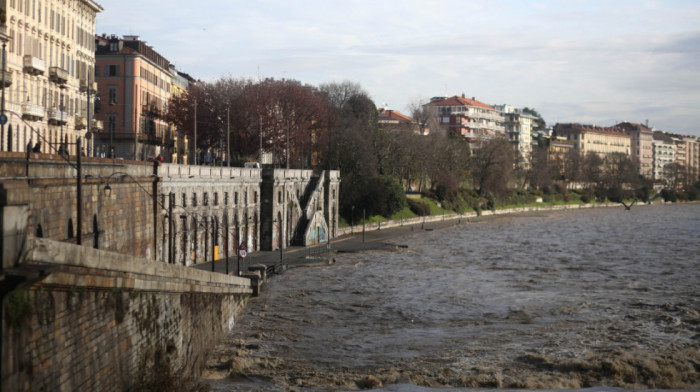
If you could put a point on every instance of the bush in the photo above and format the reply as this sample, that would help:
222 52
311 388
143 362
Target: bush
418 207
669 195
587 196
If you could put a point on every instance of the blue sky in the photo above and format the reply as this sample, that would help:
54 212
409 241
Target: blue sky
593 62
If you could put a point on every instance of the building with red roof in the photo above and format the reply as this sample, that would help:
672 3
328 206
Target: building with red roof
470 118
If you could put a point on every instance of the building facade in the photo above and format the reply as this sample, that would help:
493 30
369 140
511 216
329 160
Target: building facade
48 87
519 128
591 138
641 146
664 152
393 120
135 84
470 118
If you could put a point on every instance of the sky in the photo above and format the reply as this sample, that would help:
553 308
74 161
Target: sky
590 62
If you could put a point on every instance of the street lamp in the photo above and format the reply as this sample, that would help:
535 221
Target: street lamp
352 219
4 38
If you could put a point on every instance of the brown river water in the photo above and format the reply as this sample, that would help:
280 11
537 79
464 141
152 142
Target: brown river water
591 299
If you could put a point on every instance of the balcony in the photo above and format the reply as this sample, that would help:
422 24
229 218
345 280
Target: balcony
97 125
58 75
31 111
8 80
34 65
80 122
84 84
57 116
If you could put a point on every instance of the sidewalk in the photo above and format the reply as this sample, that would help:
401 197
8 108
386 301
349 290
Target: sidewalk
356 242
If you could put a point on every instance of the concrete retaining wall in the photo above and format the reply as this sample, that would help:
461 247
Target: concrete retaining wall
99 321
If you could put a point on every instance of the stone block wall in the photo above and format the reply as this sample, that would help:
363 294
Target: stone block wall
99 321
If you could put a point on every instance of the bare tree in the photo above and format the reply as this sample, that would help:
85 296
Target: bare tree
492 167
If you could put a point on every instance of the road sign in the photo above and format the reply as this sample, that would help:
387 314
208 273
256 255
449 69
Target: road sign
243 253
3 119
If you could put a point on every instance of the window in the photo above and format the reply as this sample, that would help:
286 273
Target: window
235 198
112 95
184 200
279 197
216 198
112 70
114 46
194 200
225 198
206 198
255 197
245 197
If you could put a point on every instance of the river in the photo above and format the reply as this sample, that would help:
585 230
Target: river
591 298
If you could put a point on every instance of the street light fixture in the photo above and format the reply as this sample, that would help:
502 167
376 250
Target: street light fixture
4 38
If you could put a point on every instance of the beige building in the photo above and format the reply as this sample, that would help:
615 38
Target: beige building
48 81
591 138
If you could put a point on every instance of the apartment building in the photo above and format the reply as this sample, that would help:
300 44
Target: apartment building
641 146
135 84
519 128
47 87
692 157
470 118
664 152
591 138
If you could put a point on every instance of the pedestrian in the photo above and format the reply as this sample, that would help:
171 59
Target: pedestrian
208 158
37 147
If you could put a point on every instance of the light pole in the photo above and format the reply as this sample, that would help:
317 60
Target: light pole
363 225
195 132
228 137
352 219
64 149
4 38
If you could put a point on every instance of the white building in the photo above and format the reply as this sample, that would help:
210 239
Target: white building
50 57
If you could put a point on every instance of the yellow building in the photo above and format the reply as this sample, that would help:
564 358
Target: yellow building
591 138
48 78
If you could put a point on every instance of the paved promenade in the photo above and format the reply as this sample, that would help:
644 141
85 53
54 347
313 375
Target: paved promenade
357 241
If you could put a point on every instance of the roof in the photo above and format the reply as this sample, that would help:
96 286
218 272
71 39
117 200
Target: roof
393 116
460 101
628 126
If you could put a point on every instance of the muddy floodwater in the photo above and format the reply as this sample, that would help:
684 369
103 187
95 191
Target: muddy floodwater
575 299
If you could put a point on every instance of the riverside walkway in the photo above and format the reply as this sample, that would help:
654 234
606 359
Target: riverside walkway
357 241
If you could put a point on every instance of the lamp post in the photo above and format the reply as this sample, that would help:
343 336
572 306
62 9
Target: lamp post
195 132
352 219
64 149
4 38
79 195
228 140
363 225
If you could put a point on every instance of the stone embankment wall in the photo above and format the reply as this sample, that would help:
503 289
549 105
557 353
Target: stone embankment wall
467 215
100 321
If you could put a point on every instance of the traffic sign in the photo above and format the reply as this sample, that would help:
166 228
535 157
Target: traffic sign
243 253
3 119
